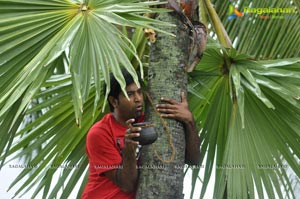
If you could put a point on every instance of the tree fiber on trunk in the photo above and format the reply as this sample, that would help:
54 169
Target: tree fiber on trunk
166 78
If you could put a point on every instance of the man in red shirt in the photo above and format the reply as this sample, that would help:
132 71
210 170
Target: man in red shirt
110 146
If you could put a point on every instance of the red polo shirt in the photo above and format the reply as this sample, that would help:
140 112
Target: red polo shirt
103 146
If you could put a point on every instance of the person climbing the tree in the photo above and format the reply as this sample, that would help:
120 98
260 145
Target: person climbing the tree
110 147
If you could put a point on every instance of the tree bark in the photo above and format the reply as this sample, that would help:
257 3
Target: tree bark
166 78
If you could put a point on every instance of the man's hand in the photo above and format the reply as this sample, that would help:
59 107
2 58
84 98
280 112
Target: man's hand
131 133
175 110
126 178
180 111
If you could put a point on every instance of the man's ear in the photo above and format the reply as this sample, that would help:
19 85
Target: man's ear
113 101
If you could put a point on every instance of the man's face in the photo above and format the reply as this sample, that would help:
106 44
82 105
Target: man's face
133 107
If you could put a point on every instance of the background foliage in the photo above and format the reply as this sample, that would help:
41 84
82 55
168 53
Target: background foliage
56 55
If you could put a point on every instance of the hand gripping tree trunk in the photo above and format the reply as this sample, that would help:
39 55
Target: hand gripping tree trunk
159 177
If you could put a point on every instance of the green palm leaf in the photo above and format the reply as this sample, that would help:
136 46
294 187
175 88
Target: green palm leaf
270 84
54 53
263 124
262 38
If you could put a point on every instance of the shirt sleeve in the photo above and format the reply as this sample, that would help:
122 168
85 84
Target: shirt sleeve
102 151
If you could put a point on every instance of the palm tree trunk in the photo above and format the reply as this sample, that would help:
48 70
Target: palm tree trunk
166 78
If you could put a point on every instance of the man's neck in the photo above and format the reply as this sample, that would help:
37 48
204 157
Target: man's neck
118 119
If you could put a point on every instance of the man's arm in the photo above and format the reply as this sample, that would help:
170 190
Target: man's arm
126 177
192 150
180 111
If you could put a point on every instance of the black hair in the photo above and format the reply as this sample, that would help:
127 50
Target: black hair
115 88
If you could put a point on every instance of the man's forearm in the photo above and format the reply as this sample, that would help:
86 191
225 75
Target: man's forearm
126 176
180 112
192 151
129 172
